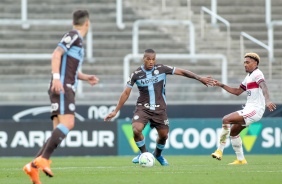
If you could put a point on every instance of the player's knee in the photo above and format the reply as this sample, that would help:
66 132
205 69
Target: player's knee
163 137
225 120
136 131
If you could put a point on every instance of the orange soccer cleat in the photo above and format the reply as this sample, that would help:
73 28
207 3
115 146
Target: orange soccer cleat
44 165
32 172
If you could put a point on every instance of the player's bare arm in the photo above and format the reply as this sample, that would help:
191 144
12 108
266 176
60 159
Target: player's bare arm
123 98
235 91
271 106
57 86
91 79
208 81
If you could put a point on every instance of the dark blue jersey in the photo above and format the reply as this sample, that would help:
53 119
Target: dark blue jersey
151 85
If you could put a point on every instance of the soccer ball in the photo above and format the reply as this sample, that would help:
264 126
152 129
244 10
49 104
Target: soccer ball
147 159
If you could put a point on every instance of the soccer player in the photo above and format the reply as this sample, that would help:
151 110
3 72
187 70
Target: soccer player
150 79
66 60
257 98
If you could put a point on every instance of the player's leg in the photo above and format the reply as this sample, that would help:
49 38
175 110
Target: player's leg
139 121
31 169
242 119
160 144
225 131
160 122
55 124
57 136
139 139
237 145
237 121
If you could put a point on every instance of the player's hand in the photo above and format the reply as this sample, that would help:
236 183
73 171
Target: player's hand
57 86
110 116
271 106
217 83
92 80
207 81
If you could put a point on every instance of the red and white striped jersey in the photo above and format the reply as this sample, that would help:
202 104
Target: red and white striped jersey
254 92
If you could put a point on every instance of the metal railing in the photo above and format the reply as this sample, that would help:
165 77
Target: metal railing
267 11
189 12
130 57
119 15
21 57
214 10
224 21
268 48
270 33
26 23
138 23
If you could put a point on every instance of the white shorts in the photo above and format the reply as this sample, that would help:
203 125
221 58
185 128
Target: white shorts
251 114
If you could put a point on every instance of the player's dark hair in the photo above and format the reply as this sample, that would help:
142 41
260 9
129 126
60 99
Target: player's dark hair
79 17
150 51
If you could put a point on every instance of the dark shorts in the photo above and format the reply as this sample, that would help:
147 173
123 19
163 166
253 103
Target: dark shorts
62 103
158 119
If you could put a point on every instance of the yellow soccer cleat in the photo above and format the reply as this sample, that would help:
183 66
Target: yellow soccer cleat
239 162
217 154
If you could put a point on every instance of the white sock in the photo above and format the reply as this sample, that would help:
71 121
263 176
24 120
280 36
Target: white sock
223 137
236 142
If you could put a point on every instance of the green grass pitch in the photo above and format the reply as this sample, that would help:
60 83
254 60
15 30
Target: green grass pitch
264 169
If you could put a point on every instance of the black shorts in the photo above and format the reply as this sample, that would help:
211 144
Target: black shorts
158 119
62 103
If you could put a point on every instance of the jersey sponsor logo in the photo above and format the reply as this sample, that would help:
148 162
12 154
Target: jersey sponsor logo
68 45
138 71
156 72
54 107
166 122
136 117
149 81
67 39
71 107
147 105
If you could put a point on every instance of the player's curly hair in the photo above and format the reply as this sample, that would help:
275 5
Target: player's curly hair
253 55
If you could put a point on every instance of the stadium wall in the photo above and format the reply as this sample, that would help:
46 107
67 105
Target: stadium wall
200 137
189 136
22 113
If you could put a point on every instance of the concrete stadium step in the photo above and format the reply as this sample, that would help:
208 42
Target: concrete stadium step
110 45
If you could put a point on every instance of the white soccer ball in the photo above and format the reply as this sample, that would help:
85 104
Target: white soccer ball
147 159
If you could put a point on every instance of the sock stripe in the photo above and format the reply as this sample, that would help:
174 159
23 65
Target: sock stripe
140 143
160 146
63 128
